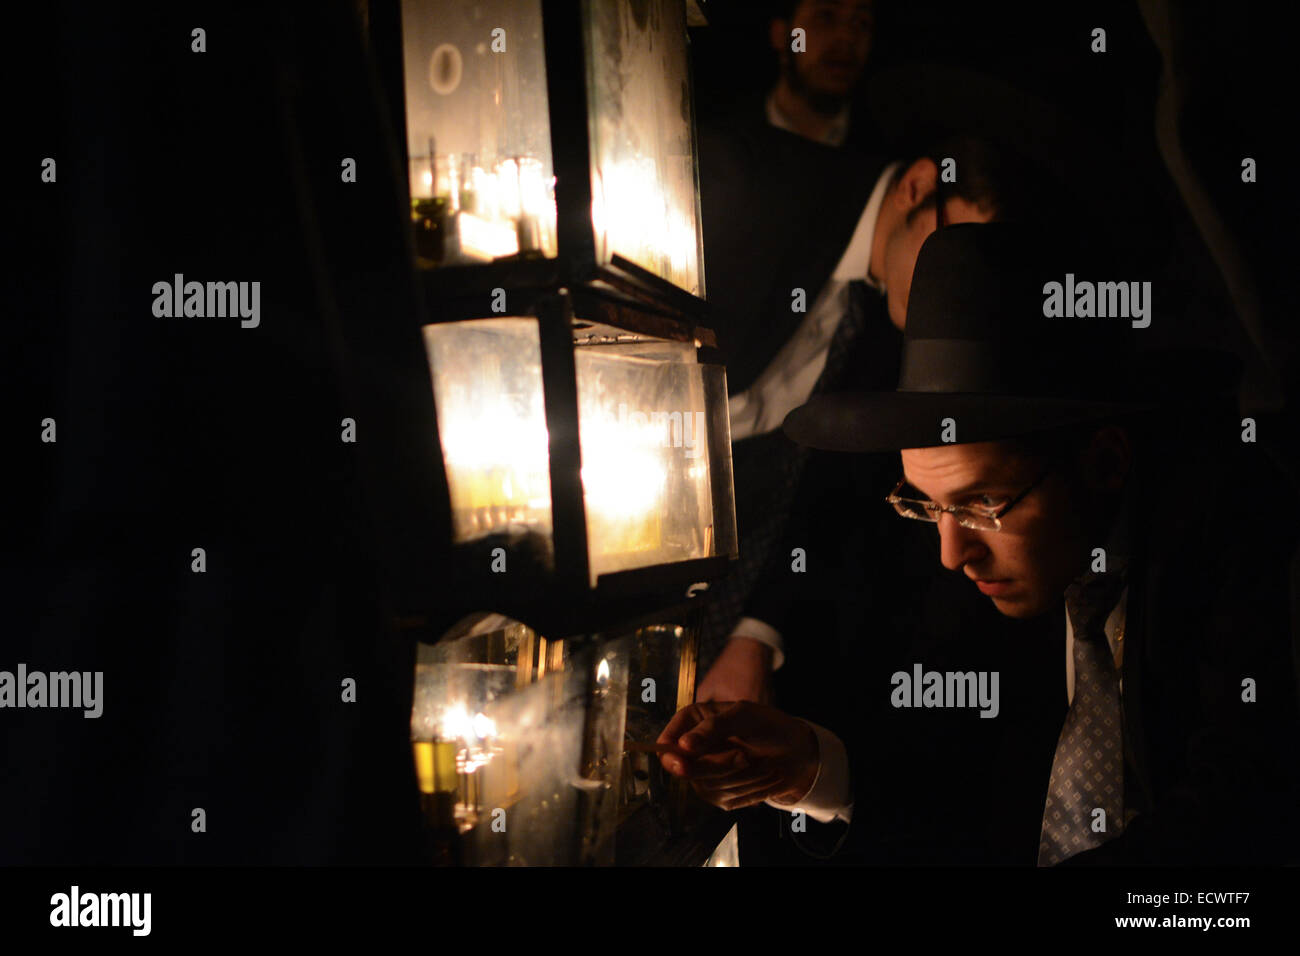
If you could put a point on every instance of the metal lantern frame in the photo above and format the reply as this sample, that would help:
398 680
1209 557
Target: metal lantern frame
573 296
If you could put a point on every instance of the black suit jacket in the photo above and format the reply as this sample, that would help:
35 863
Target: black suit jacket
777 214
1211 609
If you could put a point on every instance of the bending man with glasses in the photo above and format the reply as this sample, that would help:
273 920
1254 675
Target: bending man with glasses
1103 503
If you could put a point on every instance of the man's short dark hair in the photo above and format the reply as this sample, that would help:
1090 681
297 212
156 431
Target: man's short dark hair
783 9
993 177
1062 446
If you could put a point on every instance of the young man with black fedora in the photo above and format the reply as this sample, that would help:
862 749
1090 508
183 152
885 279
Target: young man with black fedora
1126 520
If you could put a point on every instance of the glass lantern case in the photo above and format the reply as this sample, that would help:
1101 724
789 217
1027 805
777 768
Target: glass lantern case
581 399
582 422
652 436
486 82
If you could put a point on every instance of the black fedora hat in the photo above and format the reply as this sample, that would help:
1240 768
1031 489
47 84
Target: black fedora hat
982 361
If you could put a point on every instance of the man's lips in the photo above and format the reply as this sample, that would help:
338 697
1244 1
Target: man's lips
837 61
993 587
840 67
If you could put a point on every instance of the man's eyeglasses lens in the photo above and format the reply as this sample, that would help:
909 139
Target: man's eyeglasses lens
929 511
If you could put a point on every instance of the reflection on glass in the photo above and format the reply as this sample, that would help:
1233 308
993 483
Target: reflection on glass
478 130
645 458
727 852
653 434
642 138
504 743
487 384
458 747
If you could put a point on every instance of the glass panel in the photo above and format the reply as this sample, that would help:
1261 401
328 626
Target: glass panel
655 805
602 757
656 656
728 851
643 176
503 754
486 638
477 130
724 498
459 747
487 386
648 445
654 436
542 756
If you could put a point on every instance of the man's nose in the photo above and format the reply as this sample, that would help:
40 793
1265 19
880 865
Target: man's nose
958 545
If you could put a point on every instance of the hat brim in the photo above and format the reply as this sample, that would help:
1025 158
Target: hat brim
892 421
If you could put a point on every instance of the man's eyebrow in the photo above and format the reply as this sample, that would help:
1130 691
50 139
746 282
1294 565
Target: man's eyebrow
967 490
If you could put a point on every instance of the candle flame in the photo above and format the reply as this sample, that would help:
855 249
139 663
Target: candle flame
457 724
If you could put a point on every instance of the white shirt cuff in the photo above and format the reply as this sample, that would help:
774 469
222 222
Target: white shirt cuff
830 797
756 630
741 415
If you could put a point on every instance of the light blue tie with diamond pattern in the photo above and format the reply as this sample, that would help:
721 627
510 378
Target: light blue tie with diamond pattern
1088 770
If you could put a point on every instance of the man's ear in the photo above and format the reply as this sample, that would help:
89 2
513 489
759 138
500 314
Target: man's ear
916 183
1108 458
778 34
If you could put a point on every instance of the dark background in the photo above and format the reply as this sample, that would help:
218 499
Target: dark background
222 690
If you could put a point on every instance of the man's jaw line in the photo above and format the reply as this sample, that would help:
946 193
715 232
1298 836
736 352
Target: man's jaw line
824 104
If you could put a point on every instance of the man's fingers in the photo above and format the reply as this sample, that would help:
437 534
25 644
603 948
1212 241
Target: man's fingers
734 798
760 783
759 776
742 802
750 797
713 767
690 716
682 721
717 730
700 738
674 764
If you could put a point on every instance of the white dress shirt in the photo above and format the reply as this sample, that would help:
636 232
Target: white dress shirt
831 796
788 380
835 134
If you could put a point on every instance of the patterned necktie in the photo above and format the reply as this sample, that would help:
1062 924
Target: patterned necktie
847 331
1088 770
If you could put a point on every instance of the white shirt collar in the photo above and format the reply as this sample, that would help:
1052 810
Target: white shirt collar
856 261
835 134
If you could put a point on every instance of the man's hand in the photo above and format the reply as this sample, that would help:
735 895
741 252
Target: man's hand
741 672
740 753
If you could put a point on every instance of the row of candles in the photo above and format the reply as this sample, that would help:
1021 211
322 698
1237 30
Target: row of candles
510 208
470 757
496 450
498 211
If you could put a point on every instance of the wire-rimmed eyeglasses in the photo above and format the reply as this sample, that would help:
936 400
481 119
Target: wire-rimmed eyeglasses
978 517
